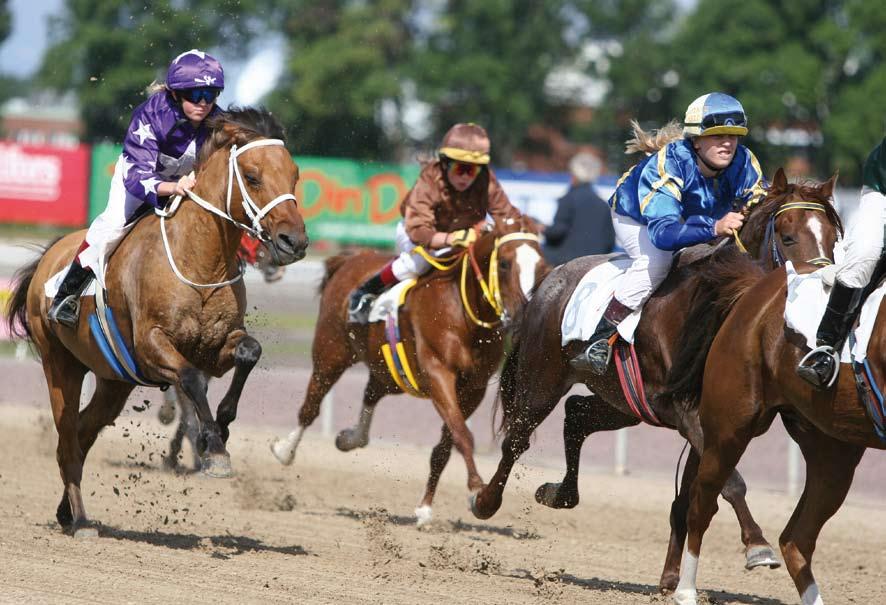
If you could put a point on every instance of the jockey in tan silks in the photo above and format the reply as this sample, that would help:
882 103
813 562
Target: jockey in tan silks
863 248
159 152
682 195
452 197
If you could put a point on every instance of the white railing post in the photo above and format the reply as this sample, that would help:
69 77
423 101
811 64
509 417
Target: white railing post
327 414
621 452
793 468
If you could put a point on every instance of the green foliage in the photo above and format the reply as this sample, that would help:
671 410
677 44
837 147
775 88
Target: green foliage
5 20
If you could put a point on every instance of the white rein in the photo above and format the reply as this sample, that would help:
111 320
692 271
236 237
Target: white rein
252 211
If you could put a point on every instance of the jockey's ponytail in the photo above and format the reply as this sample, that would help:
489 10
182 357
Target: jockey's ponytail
155 87
652 141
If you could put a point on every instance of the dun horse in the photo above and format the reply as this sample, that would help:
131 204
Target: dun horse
535 377
451 328
178 333
750 377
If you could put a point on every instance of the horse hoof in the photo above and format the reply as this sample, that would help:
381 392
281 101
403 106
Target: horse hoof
668 583
348 440
86 532
217 466
549 495
685 596
476 509
284 454
423 515
761 556
166 414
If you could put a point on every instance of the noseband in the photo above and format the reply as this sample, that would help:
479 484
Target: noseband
252 210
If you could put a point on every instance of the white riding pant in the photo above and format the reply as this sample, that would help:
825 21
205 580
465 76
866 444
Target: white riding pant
864 240
411 264
650 266
109 227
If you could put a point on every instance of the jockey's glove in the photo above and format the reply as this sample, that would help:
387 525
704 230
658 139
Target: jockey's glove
462 237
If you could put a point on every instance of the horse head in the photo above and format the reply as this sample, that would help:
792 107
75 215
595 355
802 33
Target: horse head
795 222
510 253
256 177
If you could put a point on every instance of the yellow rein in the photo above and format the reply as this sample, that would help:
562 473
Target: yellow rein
492 289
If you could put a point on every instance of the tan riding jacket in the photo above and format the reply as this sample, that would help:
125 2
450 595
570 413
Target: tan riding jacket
425 212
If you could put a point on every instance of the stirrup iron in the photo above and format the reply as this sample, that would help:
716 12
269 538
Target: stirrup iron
830 352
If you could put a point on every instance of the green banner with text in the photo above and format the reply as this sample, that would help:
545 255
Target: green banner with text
341 200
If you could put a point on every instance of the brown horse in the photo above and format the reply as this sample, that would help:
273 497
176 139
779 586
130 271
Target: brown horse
749 377
453 338
178 333
535 377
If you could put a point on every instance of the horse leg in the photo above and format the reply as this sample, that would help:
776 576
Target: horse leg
758 551
188 426
532 403
64 378
330 360
470 401
104 406
174 368
247 352
723 447
358 435
585 414
830 467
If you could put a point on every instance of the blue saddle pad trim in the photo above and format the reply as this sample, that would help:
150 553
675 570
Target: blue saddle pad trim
121 344
105 347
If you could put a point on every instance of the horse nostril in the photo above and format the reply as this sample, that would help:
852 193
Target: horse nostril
285 244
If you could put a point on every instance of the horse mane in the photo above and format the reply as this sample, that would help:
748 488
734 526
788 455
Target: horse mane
723 278
652 141
239 125
761 213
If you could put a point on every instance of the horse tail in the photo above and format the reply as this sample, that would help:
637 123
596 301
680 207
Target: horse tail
333 264
722 280
17 305
650 142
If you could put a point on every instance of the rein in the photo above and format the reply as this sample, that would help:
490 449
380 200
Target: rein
491 287
252 210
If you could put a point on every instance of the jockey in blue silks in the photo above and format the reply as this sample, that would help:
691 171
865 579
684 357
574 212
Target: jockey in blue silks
684 194
863 247
159 152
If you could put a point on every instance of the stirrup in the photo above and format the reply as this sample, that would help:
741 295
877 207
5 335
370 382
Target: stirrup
595 357
67 311
359 313
806 367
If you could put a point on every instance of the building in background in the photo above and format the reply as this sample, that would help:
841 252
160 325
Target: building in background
42 119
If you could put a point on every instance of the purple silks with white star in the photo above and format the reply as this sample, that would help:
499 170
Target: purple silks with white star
160 145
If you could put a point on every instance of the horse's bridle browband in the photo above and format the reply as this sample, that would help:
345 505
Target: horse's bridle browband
252 210
777 258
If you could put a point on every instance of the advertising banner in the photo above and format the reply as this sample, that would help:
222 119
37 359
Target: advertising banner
43 185
104 156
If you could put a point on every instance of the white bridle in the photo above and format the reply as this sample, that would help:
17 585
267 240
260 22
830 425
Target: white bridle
252 210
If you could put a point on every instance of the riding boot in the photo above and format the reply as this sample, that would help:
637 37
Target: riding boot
361 299
820 366
65 307
599 350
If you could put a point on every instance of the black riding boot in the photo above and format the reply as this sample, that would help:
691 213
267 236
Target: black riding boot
65 307
598 352
360 301
820 366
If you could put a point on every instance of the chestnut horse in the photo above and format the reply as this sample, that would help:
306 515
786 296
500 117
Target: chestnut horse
749 377
534 378
452 333
177 333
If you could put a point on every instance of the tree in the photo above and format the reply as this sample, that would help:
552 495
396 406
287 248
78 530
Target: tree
346 61
108 51
487 62
5 20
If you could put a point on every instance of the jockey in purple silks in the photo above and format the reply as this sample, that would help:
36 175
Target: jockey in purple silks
159 152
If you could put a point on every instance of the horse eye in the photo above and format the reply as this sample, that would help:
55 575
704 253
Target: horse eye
787 240
504 265
252 180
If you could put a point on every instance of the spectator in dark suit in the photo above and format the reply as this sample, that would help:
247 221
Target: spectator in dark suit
582 224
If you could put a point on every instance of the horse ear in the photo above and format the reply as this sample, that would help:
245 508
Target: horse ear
827 188
779 181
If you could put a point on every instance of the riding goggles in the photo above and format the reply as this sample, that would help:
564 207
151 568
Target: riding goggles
463 169
195 95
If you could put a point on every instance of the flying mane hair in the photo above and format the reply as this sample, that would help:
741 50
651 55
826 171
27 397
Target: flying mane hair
652 141
242 124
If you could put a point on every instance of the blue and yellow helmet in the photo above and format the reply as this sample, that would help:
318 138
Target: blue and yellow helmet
715 113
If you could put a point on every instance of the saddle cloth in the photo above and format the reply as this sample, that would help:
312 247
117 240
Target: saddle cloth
805 306
389 301
589 300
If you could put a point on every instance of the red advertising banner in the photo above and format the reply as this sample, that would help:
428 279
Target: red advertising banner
45 185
